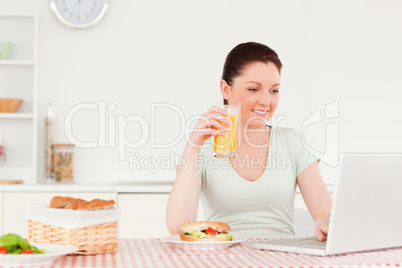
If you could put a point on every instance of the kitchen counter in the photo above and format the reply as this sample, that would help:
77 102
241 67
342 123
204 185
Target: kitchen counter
118 187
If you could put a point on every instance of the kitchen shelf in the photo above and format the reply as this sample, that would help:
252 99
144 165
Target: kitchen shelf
15 169
17 63
16 116
19 78
15 173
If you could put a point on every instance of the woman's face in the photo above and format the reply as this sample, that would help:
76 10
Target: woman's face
256 91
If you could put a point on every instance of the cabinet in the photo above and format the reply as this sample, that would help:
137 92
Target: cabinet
144 215
14 202
18 79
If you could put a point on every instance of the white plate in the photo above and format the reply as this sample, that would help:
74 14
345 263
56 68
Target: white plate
52 252
175 239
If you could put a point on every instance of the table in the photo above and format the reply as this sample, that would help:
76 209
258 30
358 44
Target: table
155 253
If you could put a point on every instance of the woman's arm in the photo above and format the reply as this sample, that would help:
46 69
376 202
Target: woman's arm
183 200
317 198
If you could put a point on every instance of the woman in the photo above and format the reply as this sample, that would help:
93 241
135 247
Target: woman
253 192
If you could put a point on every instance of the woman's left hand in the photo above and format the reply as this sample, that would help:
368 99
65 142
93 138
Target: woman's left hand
321 228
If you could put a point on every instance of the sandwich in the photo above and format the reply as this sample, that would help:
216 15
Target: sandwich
205 231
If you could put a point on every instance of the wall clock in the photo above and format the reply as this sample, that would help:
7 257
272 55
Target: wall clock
79 13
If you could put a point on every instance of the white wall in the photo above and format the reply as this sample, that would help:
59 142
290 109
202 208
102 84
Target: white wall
173 52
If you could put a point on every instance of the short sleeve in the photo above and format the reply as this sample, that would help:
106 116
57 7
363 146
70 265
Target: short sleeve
303 158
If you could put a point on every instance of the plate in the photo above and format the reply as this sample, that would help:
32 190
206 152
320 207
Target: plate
175 239
53 252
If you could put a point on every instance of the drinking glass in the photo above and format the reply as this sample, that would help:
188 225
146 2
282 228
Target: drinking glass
225 146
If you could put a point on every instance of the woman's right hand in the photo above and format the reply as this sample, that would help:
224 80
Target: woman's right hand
215 121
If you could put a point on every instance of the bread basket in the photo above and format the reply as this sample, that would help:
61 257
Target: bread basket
93 232
10 105
95 239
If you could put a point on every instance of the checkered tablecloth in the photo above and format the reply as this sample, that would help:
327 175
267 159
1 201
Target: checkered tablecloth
155 253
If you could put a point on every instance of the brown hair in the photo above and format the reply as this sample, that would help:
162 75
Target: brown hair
244 54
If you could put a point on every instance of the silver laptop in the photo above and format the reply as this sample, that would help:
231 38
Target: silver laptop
366 211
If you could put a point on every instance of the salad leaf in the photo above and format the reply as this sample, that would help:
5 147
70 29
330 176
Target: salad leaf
15 251
14 244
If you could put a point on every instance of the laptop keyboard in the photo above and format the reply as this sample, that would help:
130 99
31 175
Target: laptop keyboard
312 244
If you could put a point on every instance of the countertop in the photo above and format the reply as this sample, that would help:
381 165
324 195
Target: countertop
118 187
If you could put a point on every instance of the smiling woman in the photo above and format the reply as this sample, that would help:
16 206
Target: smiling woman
254 191
257 91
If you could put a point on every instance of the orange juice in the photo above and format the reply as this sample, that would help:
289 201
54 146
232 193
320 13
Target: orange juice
225 146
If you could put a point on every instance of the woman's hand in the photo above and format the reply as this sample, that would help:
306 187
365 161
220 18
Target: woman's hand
183 200
321 228
213 122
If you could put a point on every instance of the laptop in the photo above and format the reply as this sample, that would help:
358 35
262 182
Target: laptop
366 211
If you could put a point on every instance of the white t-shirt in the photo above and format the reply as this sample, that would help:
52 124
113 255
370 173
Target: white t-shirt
263 208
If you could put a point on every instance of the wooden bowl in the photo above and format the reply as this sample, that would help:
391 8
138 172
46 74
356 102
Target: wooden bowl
10 105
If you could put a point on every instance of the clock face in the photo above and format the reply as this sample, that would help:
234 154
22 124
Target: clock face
79 13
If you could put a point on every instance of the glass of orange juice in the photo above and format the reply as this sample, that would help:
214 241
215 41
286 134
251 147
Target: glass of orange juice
225 146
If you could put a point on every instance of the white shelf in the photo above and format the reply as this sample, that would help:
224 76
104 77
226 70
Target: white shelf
19 80
16 116
15 169
17 63
23 173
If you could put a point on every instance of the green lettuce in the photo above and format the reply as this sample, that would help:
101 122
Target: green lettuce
14 244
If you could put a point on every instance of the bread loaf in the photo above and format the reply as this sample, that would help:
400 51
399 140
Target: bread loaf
66 202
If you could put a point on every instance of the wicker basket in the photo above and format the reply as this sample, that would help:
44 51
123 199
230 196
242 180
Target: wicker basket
95 239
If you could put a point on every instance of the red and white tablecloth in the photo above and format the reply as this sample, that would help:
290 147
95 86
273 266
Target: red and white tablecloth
155 253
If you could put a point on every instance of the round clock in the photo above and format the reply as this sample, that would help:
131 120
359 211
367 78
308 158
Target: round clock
79 13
